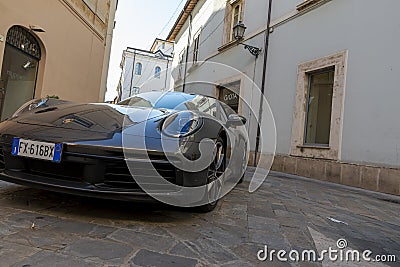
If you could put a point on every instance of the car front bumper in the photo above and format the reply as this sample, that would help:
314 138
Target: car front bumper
98 172
74 188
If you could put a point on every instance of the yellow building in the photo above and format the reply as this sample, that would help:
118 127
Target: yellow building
58 47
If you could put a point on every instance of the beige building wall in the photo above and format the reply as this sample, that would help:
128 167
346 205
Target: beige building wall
75 45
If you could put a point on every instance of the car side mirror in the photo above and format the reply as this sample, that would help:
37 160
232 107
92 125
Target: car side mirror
236 120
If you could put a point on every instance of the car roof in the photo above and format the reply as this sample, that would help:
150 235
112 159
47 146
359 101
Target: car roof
181 94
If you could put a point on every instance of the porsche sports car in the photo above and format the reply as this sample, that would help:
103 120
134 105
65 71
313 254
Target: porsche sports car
86 149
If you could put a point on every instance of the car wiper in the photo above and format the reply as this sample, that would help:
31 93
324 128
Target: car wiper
164 110
46 110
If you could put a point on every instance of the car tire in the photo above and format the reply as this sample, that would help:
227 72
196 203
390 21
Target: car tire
215 170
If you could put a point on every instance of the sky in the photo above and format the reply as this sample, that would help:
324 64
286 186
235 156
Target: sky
138 23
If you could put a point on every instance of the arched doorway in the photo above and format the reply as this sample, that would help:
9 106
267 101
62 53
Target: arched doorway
19 71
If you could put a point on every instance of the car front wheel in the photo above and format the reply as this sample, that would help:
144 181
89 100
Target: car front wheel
215 174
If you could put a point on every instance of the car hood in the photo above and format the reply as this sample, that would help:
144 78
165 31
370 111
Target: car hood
103 118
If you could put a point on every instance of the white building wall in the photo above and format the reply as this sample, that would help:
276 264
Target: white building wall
282 8
221 67
166 47
147 81
367 29
209 16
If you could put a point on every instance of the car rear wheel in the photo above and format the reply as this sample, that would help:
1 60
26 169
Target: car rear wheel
215 174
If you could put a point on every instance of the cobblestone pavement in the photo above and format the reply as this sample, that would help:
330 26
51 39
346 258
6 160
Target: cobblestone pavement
286 213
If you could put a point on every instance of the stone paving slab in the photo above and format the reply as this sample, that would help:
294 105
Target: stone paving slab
151 258
286 213
46 259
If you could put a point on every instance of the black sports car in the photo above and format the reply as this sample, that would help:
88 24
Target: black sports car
117 151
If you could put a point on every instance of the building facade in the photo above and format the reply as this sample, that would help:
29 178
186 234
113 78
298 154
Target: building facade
146 71
59 49
331 79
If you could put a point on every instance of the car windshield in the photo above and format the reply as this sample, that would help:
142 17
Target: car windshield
159 100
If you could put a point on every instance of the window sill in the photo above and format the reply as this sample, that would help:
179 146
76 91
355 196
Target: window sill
307 4
228 45
314 147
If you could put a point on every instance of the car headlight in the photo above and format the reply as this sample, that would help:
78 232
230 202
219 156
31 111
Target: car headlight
181 124
31 105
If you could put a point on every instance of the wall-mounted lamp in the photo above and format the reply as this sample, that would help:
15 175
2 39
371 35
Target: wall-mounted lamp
238 33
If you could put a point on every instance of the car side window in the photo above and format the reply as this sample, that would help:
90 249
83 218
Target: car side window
222 113
205 105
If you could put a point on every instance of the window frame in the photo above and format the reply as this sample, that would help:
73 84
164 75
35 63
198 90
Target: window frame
157 72
138 68
136 90
196 47
234 5
180 64
298 146
228 20
230 84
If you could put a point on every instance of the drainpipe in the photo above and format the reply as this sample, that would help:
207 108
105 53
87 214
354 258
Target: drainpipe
263 82
133 73
187 52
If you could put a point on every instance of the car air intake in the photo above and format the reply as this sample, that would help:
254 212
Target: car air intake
2 162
